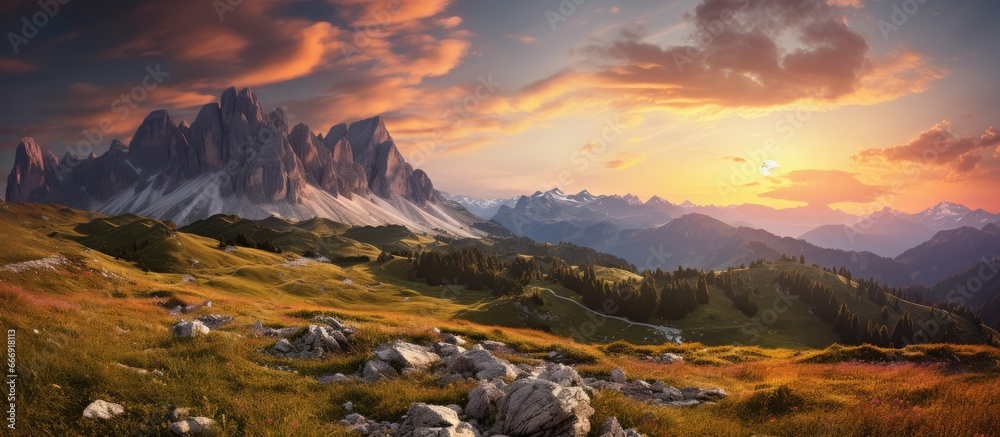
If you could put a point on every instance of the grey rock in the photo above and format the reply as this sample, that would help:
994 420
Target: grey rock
480 364
493 345
534 407
376 369
618 376
189 328
483 401
214 321
453 339
563 375
611 428
421 415
447 349
407 357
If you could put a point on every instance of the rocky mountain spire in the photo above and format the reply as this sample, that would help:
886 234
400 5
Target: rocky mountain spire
28 173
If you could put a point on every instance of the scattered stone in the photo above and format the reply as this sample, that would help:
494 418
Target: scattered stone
187 329
453 339
348 406
260 329
407 357
335 378
495 346
660 393
192 425
618 376
536 407
376 369
103 410
665 358
215 321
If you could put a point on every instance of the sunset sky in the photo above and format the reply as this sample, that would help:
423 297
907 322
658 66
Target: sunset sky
681 99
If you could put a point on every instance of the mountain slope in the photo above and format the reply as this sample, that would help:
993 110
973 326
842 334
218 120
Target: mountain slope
951 251
844 237
700 241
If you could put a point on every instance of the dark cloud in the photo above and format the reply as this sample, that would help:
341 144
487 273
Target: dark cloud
739 57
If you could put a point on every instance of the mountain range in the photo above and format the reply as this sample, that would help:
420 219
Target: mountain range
237 159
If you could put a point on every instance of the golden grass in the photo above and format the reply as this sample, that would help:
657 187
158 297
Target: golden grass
97 313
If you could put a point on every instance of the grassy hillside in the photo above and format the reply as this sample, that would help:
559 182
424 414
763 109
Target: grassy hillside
90 326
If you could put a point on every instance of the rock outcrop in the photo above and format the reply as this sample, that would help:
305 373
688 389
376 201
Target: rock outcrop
536 407
315 341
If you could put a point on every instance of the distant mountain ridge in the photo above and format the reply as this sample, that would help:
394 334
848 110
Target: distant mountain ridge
482 208
236 159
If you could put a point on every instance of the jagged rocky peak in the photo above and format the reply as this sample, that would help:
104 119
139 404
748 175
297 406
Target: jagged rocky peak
157 143
118 149
243 103
28 173
315 158
365 136
207 140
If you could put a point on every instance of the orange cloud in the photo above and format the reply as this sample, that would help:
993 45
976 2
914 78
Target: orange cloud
307 53
935 147
387 13
625 162
824 187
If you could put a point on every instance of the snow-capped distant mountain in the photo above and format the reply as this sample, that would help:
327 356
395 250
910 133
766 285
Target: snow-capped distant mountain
556 216
943 216
483 208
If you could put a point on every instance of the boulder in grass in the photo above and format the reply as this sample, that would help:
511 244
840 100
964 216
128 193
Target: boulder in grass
102 410
618 376
189 328
193 426
407 357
